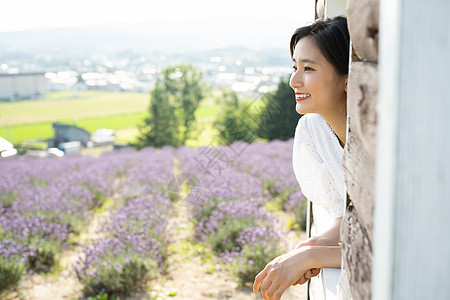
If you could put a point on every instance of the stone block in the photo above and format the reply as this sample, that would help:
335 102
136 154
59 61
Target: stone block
362 93
359 177
363 18
357 255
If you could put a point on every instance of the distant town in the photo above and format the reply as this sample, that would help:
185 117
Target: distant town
30 76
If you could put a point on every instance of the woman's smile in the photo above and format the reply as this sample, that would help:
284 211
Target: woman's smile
301 96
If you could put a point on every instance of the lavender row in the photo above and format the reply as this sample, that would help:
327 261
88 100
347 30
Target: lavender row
133 244
234 186
272 163
44 200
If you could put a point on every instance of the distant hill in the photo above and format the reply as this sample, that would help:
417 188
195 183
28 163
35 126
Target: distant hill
192 36
194 43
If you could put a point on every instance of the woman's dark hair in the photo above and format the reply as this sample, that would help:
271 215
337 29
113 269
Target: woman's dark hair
331 37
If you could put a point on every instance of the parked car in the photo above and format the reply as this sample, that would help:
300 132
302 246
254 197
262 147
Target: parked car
55 152
103 136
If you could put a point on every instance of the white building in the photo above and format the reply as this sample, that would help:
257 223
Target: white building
23 86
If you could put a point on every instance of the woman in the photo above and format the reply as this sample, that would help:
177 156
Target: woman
320 55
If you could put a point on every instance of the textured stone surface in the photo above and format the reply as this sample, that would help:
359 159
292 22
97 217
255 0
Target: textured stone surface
357 255
359 173
344 292
359 179
362 16
361 103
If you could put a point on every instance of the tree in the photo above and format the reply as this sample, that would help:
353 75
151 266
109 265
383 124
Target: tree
161 126
234 122
278 118
173 102
191 91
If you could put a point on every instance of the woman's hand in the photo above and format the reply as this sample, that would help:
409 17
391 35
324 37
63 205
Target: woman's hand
308 275
282 272
312 241
295 267
329 238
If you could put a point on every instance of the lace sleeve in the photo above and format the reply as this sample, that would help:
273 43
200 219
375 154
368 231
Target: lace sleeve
312 172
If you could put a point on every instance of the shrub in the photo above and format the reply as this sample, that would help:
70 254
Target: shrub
42 201
297 205
225 237
112 267
133 251
13 259
11 271
45 238
7 199
259 246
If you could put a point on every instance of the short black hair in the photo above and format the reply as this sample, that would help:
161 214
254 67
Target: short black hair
331 37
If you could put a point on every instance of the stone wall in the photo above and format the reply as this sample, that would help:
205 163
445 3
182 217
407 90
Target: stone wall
359 152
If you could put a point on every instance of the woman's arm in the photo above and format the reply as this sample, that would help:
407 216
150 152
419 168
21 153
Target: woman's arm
287 269
331 237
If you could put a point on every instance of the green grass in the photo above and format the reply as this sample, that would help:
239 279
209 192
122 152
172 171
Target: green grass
21 133
113 122
32 120
61 106
126 135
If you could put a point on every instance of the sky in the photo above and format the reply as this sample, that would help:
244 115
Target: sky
18 15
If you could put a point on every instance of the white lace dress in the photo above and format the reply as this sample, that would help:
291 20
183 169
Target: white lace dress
317 163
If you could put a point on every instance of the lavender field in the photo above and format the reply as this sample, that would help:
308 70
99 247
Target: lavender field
181 223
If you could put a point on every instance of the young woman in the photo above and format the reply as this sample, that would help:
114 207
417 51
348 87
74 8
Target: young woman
320 55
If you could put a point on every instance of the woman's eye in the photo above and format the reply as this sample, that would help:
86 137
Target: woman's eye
308 69
294 68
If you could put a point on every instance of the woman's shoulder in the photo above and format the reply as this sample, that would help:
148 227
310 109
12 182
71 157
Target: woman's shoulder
310 123
304 137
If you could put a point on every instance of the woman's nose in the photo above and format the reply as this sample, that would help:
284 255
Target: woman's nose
296 80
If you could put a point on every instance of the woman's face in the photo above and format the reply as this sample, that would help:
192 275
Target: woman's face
318 87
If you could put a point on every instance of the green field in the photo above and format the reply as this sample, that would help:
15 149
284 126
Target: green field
62 106
35 131
32 120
